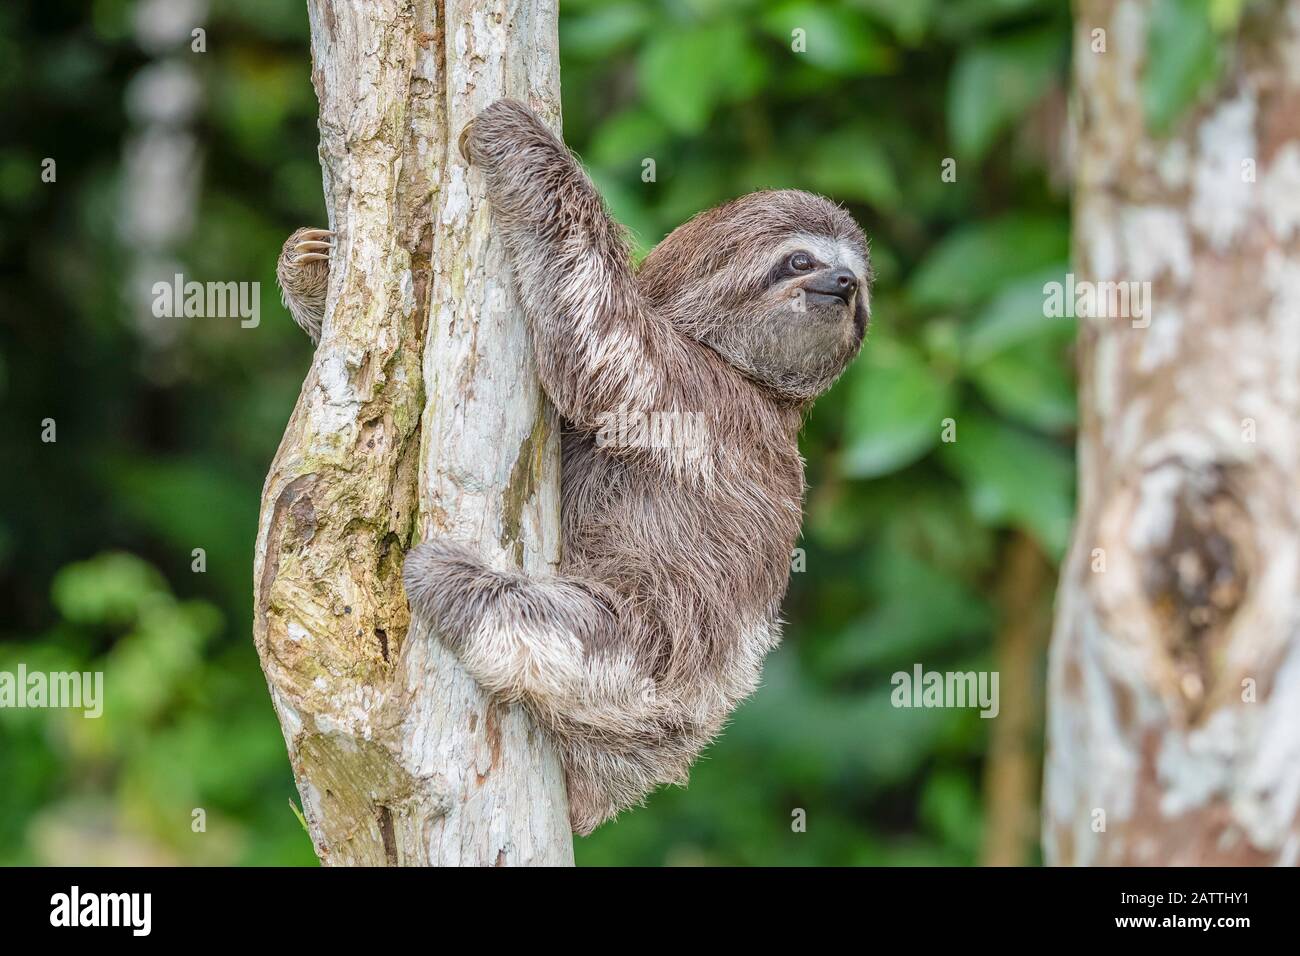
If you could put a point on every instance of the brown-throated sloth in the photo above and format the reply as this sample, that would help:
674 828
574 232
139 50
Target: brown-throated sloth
682 387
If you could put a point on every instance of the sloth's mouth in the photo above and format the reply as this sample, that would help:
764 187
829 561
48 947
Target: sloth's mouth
828 298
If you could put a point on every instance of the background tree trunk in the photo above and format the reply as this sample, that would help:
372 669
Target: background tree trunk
398 757
1013 766
1174 683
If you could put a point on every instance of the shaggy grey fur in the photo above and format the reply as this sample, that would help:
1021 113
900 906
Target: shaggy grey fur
678 527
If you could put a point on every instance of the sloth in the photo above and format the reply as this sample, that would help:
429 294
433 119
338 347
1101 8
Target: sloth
682 387
302 272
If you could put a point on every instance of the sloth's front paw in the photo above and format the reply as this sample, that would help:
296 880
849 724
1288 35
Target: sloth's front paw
303 271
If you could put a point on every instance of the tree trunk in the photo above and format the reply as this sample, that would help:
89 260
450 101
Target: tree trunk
398 757
1175 670
1013 764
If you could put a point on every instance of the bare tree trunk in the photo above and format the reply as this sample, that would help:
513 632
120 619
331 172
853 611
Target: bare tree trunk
398 757
1011 771
1175 673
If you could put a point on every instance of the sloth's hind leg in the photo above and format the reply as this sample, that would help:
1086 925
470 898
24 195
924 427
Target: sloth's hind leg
564 647
523 639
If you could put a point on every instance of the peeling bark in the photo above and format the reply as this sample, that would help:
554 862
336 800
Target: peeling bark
1174 686
421 414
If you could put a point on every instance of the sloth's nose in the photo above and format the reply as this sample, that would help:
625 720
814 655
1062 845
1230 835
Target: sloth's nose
841 283
846 282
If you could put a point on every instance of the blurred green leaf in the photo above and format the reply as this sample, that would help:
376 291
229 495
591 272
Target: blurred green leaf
995 83
600 31
908 21
286 21
963 19
626 139
896 407
698 183
977 260
893 635
771 171
789 713
835 38
933 522
1030 382
254 97
850 164
1182 58
951 806
147 666
1016 313
192 503
1012 477
1226 14
106 590
685 74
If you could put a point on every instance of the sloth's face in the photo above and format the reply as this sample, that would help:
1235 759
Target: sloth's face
803 322
776 282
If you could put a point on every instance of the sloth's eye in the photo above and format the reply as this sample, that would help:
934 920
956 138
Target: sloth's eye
801 262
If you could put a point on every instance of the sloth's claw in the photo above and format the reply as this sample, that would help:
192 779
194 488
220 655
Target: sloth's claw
463 143
303 274
313 244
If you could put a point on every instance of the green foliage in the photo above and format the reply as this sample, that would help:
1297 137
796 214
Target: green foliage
977 260
1013 477
1182 58
179 732
995 83
837 39
165 431
685 74
894 404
